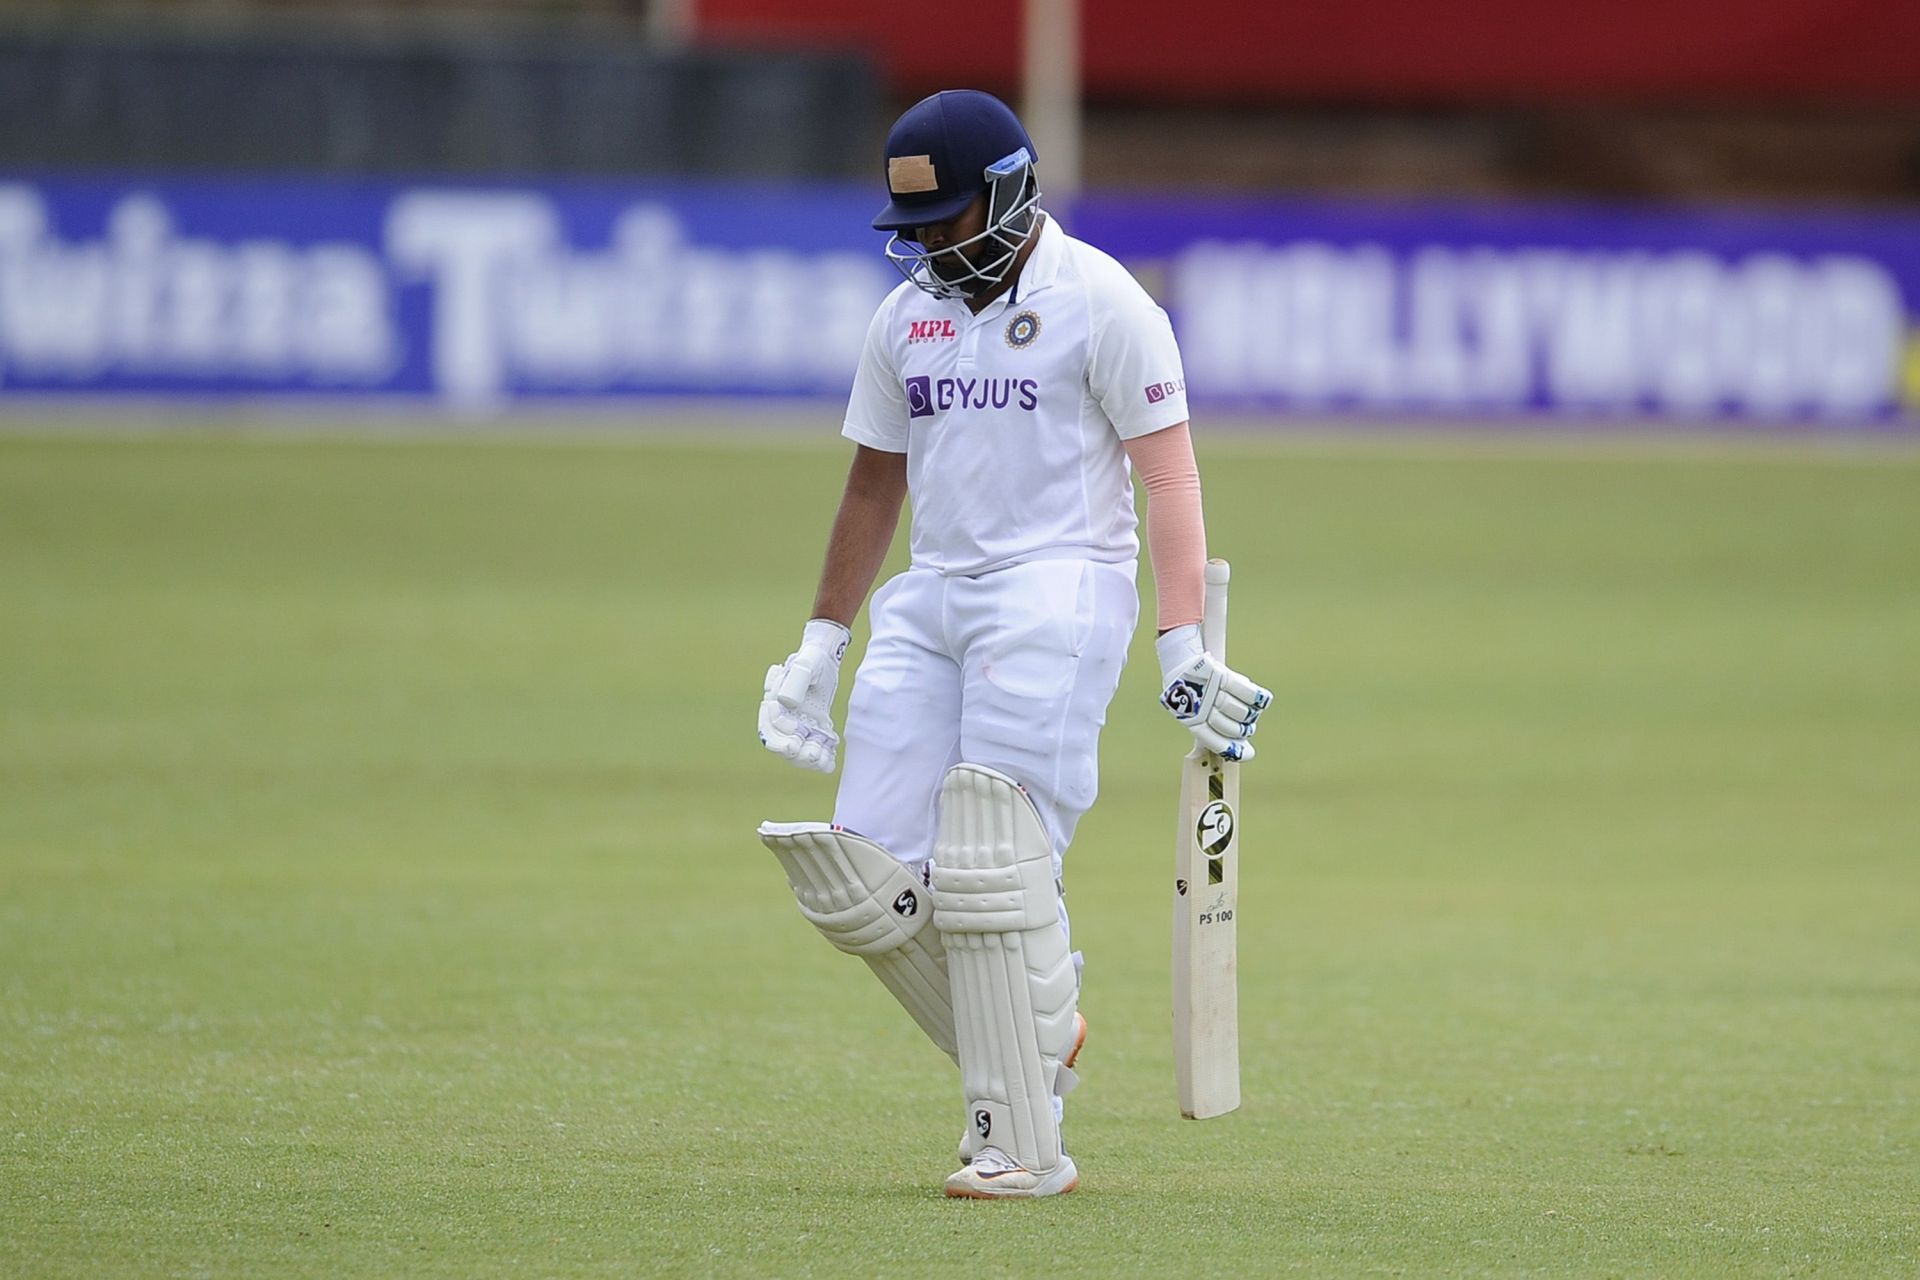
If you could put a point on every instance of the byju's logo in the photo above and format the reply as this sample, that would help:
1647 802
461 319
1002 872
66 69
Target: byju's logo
1158 391
920 397
925 396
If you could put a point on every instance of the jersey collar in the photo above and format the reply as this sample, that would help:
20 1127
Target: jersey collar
1042 265
1040 269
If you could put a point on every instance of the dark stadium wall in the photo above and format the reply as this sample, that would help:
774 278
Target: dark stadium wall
1490 51
270 94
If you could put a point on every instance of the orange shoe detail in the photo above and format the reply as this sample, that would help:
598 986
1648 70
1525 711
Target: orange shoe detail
1079 1039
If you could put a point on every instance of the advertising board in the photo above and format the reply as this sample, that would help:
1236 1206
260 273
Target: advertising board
478 299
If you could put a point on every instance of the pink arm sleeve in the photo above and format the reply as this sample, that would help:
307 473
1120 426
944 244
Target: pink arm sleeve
1176 529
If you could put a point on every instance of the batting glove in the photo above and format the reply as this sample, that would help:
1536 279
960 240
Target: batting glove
796 703
1218 705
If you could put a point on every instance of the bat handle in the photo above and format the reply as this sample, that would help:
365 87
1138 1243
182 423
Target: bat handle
1213 628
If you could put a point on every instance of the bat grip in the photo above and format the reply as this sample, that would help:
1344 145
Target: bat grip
1213 627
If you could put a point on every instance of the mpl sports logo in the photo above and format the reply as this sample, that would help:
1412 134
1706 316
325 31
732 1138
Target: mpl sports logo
931 331
1158 391
927 396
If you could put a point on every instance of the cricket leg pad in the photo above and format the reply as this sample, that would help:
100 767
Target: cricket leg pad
1015 987
868 904
1063 1084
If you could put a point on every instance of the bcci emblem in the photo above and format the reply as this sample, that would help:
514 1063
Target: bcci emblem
1022 330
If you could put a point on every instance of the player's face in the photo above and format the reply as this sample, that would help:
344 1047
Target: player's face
963 226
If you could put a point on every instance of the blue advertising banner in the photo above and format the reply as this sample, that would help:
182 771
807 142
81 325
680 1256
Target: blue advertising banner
478 297
1592 313
469 297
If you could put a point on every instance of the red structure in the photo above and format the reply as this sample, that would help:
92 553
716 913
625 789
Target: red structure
1386 51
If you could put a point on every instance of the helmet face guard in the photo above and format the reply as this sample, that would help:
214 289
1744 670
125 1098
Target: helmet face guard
1013 201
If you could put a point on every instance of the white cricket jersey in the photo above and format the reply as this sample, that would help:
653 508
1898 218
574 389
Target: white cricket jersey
1012 420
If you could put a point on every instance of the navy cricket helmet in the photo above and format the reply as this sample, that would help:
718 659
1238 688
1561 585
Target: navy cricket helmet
943 153
938 154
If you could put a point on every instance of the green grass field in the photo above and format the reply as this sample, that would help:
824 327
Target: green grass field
379 895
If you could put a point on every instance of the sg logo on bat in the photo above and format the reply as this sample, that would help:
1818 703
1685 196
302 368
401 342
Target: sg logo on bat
1214 834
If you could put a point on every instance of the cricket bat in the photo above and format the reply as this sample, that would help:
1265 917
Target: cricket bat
1206 893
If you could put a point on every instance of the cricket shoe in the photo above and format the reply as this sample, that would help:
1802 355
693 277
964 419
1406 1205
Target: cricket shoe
1073 1055
994 1175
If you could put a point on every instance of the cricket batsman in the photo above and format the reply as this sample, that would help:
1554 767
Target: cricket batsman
1010 386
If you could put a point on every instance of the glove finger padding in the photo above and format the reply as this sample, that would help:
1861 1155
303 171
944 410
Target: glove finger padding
817 751
1220 744
1238 686
1232 708
797 680
1228 727
775 728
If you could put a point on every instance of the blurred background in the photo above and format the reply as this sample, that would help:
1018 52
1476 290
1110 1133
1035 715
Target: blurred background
1633 213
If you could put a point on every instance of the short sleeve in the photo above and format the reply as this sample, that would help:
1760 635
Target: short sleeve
877 411
1133 368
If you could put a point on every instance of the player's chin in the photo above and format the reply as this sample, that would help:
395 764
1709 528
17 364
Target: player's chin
951 267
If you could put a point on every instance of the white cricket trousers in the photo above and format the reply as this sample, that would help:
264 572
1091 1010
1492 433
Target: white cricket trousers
1012 669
